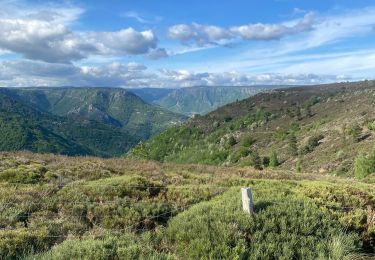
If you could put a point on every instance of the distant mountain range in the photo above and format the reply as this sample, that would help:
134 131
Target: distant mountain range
78 121
197 100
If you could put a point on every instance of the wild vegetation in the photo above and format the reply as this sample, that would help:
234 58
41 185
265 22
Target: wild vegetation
67 208
309 160
310 129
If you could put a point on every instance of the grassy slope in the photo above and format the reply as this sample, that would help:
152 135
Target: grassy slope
112 106
24 128
270 119
90 208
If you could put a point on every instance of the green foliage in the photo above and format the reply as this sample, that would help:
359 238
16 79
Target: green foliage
219 229
126 246
292 144
294 127
89 208
312 142
273 161
299 166
247 141
281 134
371 125
23 174
364 165
355 132
255 160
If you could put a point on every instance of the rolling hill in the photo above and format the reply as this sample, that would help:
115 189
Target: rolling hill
311 129
111 106
198 100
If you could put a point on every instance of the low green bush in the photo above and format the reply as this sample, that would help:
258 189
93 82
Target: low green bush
364 165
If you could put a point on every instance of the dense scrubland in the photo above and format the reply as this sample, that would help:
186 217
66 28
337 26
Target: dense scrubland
56 207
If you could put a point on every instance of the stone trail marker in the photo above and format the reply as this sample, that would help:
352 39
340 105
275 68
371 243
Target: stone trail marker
247 200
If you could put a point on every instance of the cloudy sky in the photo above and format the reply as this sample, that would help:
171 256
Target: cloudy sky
170 43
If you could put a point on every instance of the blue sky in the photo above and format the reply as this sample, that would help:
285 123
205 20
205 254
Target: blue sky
185 43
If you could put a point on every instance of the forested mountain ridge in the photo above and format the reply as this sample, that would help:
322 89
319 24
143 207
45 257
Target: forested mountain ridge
25 128
313 128
112 106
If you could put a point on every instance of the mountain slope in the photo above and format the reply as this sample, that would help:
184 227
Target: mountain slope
24 128
198 100
318 128
151 95
115 107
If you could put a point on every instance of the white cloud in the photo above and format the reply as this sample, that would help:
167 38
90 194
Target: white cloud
203 35
141 19
136 16
43 34
261 31
31 73
126 41
157 54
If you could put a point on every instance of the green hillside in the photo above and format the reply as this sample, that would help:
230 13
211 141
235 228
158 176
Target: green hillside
112 106
198 100
90 208
24 128
311 129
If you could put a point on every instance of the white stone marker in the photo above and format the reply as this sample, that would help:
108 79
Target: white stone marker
247 200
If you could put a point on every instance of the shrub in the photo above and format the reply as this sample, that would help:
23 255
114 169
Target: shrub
266 161
364 165
371 125
355 132
255 160
247 141
231 140
219 229
292 145
126 246
227 118
294 127
312 142
274 162
281 134
299 166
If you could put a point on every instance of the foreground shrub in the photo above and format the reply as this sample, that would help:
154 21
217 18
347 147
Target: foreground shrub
125 246
219 229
